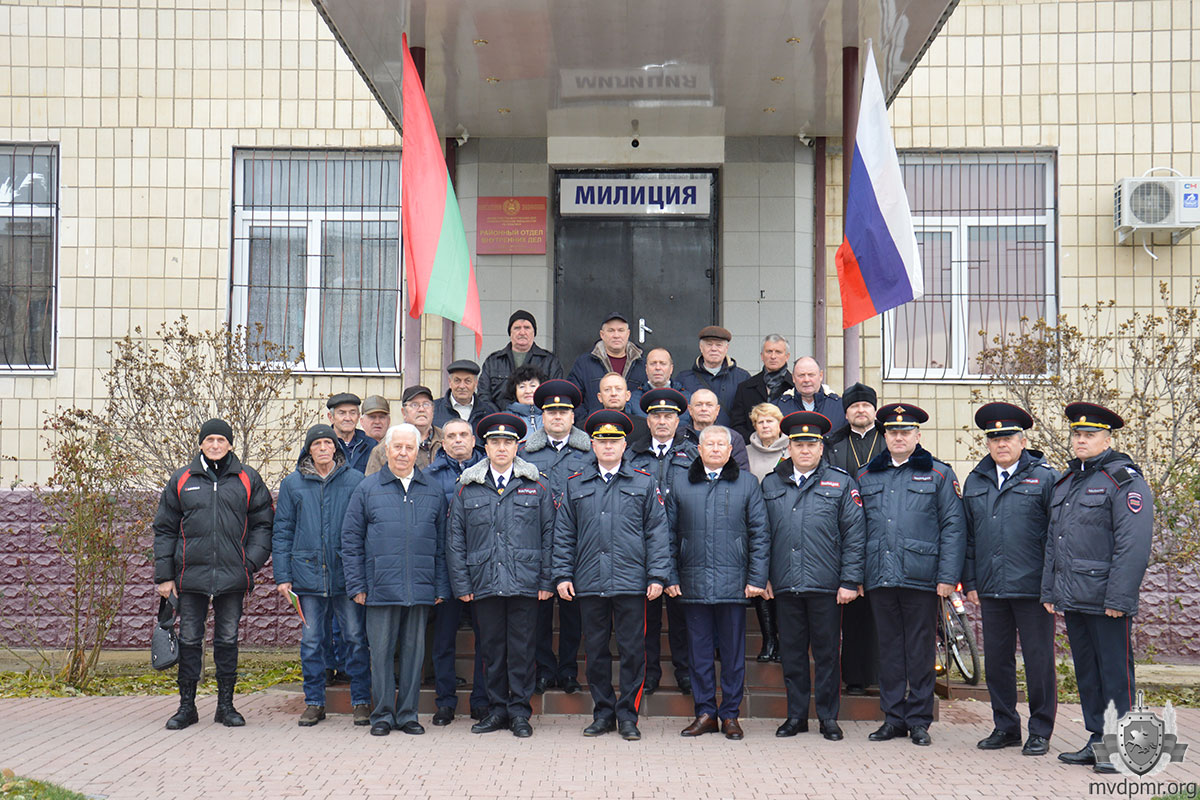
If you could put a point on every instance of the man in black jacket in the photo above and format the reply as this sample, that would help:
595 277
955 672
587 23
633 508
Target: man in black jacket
612 554
497 367
852 447
1097 549
498 553
1006 504
463 400
766 386
211 533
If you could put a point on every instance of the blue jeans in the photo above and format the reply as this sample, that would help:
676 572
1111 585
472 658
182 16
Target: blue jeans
313 640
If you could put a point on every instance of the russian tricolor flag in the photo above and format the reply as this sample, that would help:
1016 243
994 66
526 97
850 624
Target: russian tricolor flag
877 263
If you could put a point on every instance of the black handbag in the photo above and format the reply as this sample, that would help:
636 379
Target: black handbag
164 644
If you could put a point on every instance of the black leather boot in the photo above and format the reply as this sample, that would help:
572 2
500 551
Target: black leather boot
765 609
226 713
186 715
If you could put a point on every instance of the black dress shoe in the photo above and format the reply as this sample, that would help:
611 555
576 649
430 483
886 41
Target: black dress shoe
443 716
685 685
569 685
1083 756
381 729
791 726
488 724
831 730
856 689
479 712
413 728
998 740
920 735
600 727
629 731
650 686
521 728
459 681
887 731
542 684
1036 746
1104 768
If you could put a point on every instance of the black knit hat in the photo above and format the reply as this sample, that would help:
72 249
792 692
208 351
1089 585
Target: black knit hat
521 313
216 427
318 432
858 393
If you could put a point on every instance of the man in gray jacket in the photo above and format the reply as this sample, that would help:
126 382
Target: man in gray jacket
498 553
612 553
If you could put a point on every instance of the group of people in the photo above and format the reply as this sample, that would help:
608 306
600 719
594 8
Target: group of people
627 489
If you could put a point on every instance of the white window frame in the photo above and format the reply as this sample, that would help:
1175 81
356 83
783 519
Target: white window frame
959 227
41 211
311 219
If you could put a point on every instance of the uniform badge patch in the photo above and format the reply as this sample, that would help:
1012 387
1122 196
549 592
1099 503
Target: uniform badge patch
1134 501
658 494
526 491
922 477
856 497
1034 481
831 484
957 489
1099 490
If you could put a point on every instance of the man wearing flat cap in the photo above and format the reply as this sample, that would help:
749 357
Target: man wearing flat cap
666 455
916 541
818 541
613 353
498 552
520 350
1006 503
612 554
212 532
1097 550
417 409
355 445
376 416
556 450
852 447
462 400
714 370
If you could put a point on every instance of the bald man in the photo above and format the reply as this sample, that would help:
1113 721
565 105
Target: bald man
704 409
809 393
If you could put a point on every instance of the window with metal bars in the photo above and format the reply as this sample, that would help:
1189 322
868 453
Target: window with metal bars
986 225
28 256
316 256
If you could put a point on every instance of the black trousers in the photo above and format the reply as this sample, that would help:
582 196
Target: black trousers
193 614
676 638
860 643
566 664
1103 657
906 621
810 620
506 638
1003 621
625 616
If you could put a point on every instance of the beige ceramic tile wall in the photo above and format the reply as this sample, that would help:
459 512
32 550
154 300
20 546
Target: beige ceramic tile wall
1114 87
147 105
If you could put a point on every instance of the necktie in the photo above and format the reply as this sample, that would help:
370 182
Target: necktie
558 446
662 450
802 480
1003 476
500 483
607 477
712 476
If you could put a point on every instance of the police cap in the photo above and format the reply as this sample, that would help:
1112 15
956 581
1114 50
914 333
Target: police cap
500 424
665 399
557 393
1002 419
901 416
805 425
1091 417
608 424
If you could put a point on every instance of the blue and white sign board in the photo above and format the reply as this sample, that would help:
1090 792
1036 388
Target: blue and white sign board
651 195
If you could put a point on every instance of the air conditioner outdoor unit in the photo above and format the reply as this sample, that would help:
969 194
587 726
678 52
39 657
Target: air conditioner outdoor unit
1149 205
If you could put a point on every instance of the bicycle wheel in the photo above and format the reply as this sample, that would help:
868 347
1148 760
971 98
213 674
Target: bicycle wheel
960 641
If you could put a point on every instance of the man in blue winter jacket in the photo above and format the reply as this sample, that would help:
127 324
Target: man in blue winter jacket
306 543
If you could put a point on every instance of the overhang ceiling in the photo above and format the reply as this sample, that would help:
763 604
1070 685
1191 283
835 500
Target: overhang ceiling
591 67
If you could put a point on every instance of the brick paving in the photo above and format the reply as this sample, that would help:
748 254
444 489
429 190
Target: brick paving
116 747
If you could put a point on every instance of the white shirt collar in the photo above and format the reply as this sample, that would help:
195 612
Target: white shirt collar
507 475
657 443
896 463
1010 470
406 480
797 473
464 411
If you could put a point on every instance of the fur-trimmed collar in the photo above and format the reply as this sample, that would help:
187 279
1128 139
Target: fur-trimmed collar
921 459
479 472
698 473
576 439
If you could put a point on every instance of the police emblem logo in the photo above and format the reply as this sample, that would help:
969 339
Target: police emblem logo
957 489
1139 743
1134 501
999 424
856 497
899 409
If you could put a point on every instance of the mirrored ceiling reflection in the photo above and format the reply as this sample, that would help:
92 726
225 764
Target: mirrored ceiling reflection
678 67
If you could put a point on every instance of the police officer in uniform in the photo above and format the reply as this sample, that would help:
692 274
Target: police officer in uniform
557 449
665 454
916 541
1006 502
612 553
852 447
498 554
818 540
1097 550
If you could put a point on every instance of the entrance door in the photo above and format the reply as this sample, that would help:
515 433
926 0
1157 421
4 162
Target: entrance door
658 270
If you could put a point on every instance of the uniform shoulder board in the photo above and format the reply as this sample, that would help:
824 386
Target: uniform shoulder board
836 468
1123 474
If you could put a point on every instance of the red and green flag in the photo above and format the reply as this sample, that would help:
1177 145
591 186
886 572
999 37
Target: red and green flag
437 264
